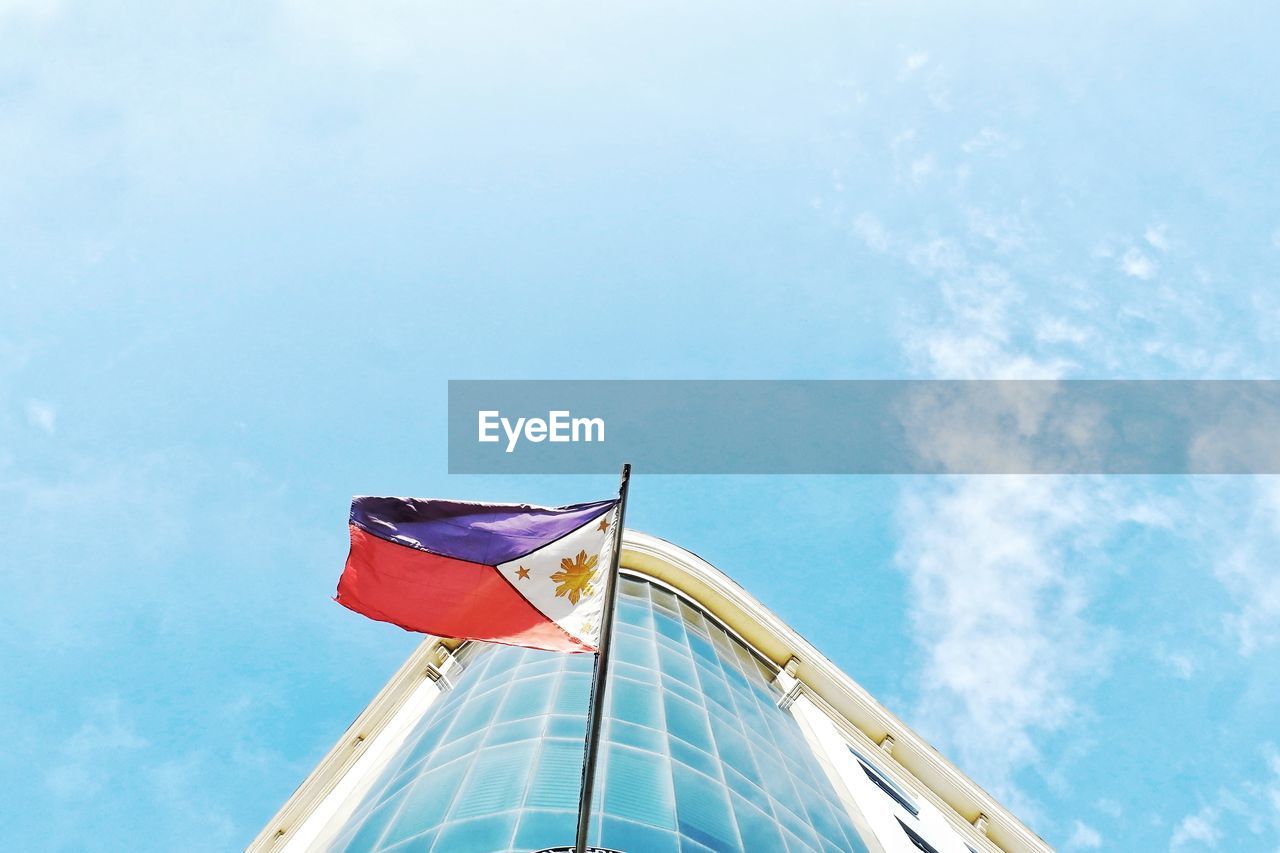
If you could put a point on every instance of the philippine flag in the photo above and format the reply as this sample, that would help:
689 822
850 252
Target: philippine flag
503 573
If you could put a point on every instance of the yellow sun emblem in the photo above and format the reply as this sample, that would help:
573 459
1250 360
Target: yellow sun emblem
575 576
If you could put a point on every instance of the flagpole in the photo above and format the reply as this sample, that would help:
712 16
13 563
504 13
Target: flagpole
600 672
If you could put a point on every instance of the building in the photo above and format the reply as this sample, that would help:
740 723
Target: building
725 730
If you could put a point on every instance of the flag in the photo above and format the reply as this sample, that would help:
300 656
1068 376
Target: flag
503 573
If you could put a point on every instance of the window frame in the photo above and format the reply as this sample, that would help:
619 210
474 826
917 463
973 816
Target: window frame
882 781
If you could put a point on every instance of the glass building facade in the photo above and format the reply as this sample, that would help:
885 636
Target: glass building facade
697 755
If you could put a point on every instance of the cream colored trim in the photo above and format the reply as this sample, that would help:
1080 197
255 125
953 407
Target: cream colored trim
853 709
908 782
842 698
300 813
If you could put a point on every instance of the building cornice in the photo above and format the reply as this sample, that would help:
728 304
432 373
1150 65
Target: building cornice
852 709
843 699
430 661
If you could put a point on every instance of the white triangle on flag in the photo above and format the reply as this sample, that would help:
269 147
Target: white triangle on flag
573 566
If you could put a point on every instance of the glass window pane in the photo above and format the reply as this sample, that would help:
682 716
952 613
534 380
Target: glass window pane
496 782
664 600
370 830
429 741
702 808
777 781
759 831
693 619
565 726
678 667
427 801
703 649
539 830
450 751
826 823
556 781
636 649
580 663
744 786
635 615
746 660
635 702
640 737
479 711
541 666
681 689
417 844
721 640
669 626
634 589
713 687
639 787
473 836
733 749
697 756
515 730
694 757
573 696
637 838
648 674
527 697
687 721
798 826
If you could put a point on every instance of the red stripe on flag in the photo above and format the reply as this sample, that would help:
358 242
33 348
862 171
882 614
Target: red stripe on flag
443 596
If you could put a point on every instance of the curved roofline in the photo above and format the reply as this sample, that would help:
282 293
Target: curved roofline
854 711
844 700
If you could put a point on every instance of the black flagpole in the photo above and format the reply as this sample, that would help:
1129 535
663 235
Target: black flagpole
600 673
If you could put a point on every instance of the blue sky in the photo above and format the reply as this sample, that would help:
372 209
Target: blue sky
242 249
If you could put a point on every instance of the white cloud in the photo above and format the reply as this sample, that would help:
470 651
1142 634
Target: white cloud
998 615
35 11
1248 570
374 33
1005 232
999 568
1084 837
41 415
915 61
975 337
1271 789
411 36
939 255
1108 807
80 766
177 787
1157 236
922 167
911 163
870 230
1056 330
1197 829
1244 805
988 140
1135 263
1180 664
